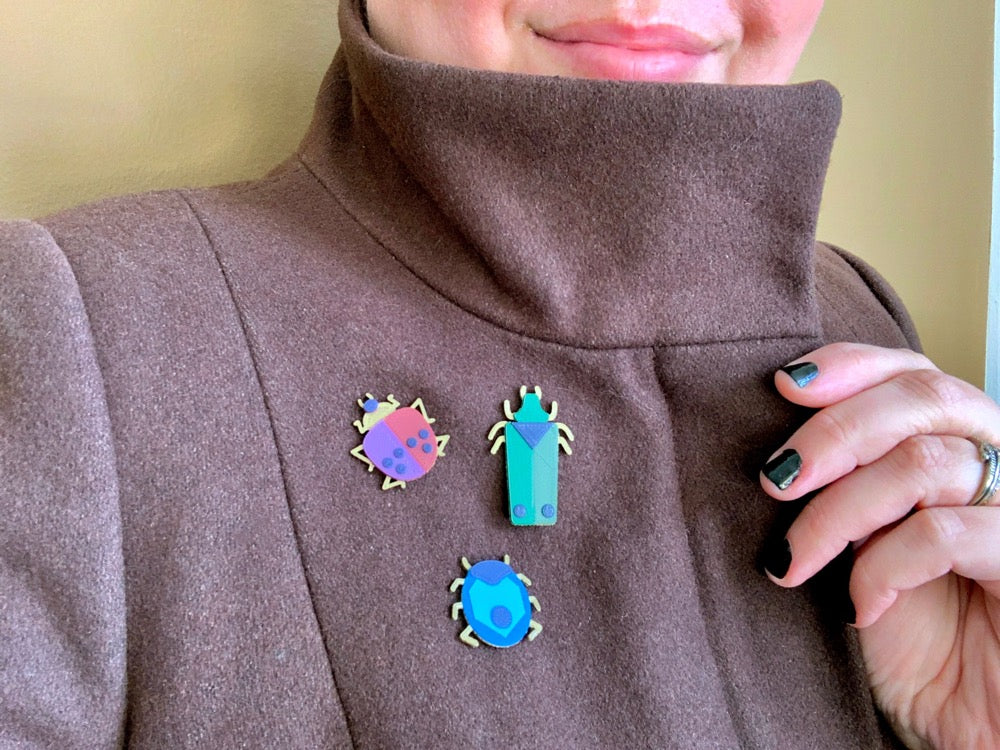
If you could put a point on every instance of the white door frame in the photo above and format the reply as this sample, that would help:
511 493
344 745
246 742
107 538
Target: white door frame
993 305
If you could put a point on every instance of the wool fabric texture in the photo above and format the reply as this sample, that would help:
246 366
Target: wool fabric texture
190 556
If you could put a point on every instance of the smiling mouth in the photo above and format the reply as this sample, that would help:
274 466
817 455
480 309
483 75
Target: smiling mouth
625 52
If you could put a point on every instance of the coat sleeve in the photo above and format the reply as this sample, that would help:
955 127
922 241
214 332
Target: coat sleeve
879 288
62 594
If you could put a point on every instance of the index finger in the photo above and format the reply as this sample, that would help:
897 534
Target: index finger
865 426
838 371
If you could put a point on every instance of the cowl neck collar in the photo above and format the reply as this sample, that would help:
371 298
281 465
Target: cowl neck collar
596 214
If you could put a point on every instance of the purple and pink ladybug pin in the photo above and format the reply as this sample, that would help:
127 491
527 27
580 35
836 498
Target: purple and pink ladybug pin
399 440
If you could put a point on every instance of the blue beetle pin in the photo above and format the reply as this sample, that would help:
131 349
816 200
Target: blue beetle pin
533 439
496 604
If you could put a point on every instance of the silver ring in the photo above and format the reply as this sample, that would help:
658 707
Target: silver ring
991 474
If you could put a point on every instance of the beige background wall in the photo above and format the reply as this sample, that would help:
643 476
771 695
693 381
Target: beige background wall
103 97
910 182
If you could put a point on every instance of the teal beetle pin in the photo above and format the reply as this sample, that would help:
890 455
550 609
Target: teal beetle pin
533 439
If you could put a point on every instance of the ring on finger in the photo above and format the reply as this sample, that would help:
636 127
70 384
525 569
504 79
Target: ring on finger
991 474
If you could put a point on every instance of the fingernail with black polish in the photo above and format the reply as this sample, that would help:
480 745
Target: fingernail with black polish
783 468
803 373
778 559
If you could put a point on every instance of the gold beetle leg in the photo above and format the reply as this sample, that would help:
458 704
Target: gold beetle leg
359 453
419 406
536 628
442 441
466 637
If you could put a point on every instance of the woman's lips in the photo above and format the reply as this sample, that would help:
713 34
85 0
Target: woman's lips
620 51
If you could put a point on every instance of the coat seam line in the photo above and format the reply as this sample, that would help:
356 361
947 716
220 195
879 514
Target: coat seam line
722 666
244 329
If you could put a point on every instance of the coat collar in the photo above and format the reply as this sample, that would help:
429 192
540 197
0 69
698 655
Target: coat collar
592 213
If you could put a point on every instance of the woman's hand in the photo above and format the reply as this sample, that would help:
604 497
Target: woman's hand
893 449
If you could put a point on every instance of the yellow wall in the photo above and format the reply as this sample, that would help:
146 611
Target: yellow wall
104 97
909 185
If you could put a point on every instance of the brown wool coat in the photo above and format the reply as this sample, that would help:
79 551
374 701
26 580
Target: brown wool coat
191 558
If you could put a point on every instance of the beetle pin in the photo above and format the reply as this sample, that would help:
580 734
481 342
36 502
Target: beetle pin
399 441
496 604
533 439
